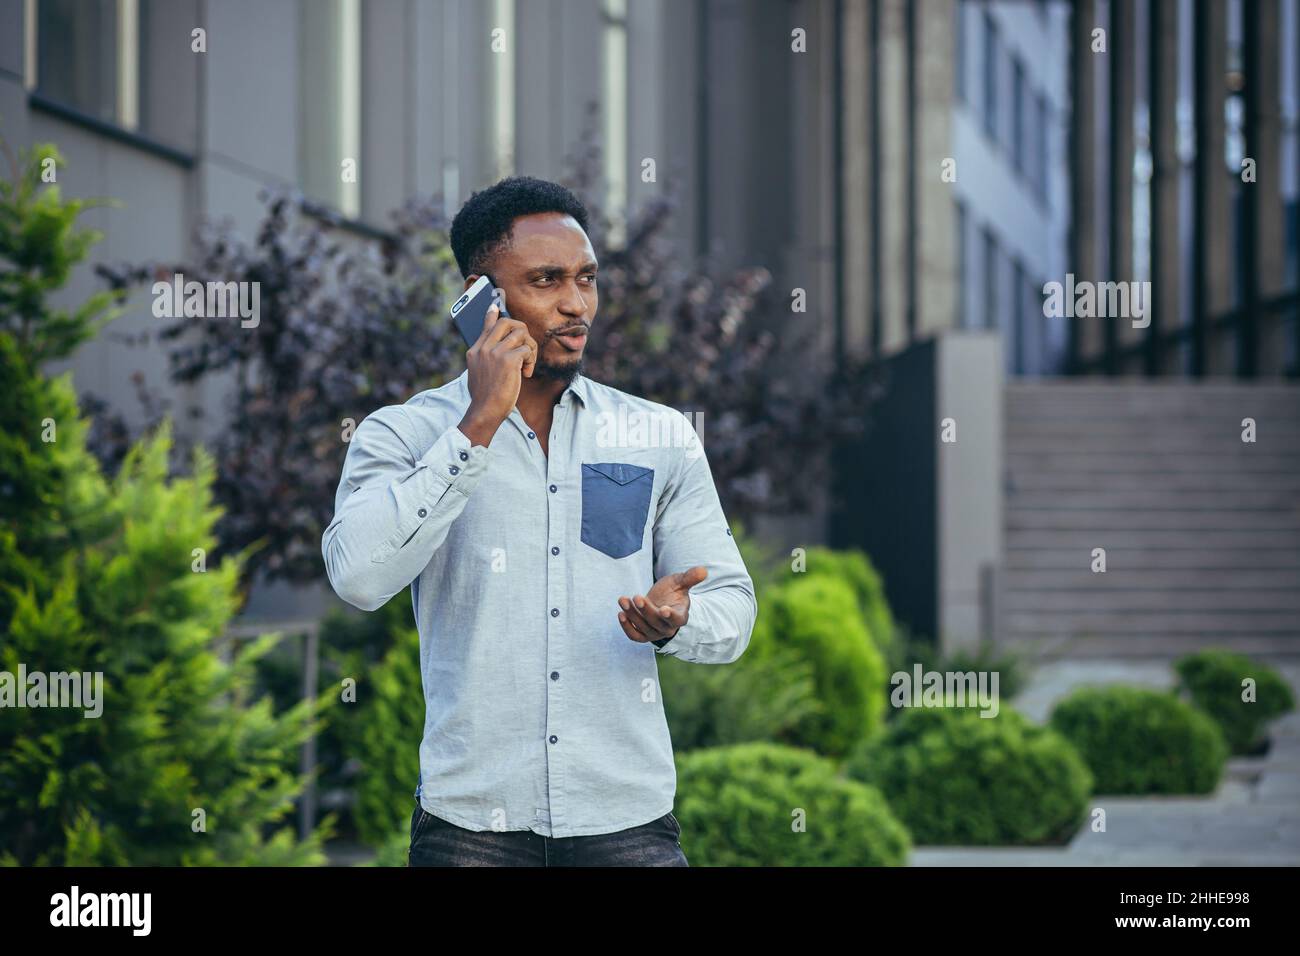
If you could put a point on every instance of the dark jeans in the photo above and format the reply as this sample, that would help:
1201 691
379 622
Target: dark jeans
435 842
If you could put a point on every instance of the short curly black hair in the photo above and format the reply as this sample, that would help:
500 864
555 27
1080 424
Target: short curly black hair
482 227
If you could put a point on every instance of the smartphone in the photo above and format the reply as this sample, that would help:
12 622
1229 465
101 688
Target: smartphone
470 311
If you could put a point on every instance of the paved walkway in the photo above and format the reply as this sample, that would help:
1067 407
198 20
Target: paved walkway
1253 819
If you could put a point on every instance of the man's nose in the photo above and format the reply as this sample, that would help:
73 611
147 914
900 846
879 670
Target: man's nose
574 302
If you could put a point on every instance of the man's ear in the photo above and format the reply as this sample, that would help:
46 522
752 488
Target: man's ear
470 280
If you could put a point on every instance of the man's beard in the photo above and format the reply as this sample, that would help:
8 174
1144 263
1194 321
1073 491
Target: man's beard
547 371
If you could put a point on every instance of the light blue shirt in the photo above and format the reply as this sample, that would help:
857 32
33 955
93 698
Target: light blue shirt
540 713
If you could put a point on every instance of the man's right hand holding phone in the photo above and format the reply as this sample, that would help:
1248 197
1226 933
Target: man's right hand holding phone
503 354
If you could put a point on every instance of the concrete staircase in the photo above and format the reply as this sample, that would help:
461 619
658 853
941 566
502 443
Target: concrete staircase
1201 530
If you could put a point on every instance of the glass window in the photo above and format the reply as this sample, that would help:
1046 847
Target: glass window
964 317
1018 139
1289 141
1186 119
1019 320
990 280
990 77
959 51
1042 113
614 114
329 141
501 88
118 62
77 50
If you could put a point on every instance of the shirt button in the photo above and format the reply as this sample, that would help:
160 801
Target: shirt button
555 550
552 489
555 675
455 470
555 612
554 738
422 512
728 531
464 456
531 435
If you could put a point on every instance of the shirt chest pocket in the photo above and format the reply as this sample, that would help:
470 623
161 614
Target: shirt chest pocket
615 503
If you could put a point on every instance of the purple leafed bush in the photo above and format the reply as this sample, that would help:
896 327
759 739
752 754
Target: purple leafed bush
351 321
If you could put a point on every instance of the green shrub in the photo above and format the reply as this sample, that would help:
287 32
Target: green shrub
383 730
765 695
818 618
956 778
761 560
1212 680
759 804
1137 740
854 569
1007 664
395 850
762 696
103 577
1013 673
352 644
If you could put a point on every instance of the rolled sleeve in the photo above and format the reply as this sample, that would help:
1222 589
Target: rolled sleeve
393 509
691 529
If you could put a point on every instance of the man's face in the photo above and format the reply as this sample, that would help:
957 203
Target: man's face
548 277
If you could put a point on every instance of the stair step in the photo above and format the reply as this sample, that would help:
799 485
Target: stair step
1203 541
1225 601
1137 622
1121 577
1155 499
1170 408
1071 481
1155 441
1106 385
1150 560
1150 519
1137 396
1228 460
1127 427
1161 646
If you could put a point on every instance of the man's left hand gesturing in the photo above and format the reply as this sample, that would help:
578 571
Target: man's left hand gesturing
659 613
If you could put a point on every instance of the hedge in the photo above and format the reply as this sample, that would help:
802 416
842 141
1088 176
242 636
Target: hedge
1137 741
956 778
761 804
1212 680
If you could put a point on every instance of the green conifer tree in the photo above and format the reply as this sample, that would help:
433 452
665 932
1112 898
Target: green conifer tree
101 576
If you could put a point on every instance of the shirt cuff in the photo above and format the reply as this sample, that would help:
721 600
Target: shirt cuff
458 461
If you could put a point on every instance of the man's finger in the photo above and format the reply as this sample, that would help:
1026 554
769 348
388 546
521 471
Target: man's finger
650 614
513 338
489 320
629 629
639 611
531 362
672 617
502 327
692 576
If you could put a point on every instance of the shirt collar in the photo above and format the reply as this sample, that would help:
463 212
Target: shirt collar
579 388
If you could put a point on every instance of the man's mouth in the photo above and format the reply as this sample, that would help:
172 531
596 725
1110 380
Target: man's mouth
573 338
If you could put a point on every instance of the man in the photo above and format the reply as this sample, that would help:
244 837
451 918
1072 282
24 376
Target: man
550 558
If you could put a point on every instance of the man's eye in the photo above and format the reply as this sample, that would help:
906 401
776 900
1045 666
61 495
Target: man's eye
590 277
